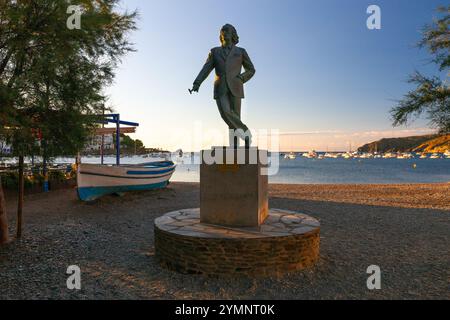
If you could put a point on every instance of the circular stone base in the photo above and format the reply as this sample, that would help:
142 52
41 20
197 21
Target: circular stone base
287 241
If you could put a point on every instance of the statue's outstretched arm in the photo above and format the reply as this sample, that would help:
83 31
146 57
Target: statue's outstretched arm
204 73
248 66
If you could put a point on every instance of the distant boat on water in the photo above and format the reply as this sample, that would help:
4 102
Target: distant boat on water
347 155
389 155
405 156
331 155
310 155
435 156
366 156
95 181
290 156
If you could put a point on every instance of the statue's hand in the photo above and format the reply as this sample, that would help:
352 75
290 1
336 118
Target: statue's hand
195 88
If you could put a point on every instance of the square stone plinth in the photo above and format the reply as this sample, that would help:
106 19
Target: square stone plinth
233 188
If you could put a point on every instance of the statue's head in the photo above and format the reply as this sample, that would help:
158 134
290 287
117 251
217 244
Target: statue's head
228 34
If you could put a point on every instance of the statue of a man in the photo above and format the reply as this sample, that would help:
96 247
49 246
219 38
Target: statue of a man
228 61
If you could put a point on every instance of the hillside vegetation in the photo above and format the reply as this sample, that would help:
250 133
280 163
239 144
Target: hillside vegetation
427 143
440 144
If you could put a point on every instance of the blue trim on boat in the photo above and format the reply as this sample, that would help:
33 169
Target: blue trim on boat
150 172
156 164
125 177
92 193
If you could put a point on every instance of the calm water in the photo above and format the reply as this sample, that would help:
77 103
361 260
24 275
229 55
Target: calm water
340 171
314 171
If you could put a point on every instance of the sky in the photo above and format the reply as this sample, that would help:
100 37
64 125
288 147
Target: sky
323 80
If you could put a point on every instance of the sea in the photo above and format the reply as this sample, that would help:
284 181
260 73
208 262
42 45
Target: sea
320 171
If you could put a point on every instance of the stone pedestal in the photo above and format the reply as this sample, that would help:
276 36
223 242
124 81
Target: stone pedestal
233 233
233 190
286 242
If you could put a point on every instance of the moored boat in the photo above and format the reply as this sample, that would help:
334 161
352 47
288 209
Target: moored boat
435 156
310 155
347 155
331 155
290 156
95 181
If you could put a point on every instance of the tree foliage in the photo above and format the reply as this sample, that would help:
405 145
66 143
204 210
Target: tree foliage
130 145
52 77
432 94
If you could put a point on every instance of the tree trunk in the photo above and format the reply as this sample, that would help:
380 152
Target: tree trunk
4 238
20 202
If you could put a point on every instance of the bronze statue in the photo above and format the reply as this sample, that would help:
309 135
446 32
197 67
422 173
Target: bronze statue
228 61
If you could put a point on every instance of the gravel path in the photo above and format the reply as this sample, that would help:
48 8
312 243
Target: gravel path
404 229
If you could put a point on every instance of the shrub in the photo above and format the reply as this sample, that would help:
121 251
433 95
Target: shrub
56 175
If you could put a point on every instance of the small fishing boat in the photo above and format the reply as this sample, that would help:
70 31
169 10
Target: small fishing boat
95 181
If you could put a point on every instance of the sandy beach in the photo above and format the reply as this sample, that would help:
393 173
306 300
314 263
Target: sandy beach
404 229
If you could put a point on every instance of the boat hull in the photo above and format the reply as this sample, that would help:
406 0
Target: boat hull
95 181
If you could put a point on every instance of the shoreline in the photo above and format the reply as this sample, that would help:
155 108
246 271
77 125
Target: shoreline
403 195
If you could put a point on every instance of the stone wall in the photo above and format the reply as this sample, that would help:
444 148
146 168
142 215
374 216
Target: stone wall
247 256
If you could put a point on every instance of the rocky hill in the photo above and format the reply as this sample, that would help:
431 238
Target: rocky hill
440 144
427 143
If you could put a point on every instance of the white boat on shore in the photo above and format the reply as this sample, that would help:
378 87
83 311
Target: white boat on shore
94 180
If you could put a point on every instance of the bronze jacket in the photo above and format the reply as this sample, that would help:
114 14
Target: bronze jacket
228 71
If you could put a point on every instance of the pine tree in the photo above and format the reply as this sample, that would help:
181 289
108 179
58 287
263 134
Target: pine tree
51 76
432 94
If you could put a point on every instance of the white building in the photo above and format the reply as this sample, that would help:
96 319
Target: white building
95 143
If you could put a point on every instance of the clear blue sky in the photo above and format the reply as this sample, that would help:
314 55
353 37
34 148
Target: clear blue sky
320 73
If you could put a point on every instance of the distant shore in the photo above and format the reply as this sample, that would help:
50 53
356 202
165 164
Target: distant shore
401 228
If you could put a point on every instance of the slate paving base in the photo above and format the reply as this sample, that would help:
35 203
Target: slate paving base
286 242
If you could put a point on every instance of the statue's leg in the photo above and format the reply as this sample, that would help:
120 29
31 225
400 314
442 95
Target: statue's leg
236 110
236 105
223 103
230 109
